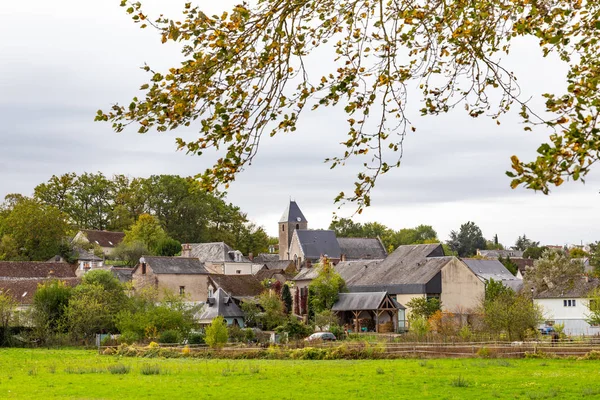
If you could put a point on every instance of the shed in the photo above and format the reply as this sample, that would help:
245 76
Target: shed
359 307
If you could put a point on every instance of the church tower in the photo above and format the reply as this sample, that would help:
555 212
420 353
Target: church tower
291 220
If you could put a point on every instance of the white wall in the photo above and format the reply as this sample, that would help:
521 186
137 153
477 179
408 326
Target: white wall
232 268
572 317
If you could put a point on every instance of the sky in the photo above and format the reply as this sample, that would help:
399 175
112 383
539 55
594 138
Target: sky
62 61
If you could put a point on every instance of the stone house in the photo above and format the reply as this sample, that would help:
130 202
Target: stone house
178 275
221 304
105 239
220 258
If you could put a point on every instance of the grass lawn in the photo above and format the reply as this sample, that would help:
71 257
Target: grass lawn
81 374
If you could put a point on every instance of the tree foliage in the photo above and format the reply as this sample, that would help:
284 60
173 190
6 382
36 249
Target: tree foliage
523 243
554 268
421 307
216 333
273 313
49 304
286 297
324 290
509 264
467 240
534 252
253 71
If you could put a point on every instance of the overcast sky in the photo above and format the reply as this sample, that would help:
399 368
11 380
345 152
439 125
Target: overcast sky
62 61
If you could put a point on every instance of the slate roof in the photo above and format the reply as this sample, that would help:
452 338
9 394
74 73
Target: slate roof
283 264
523 263
238 285
122 274
497 253
316 243
362 248
292 214
214 252
407 270
278 274
220 304
30 269
174 265
362 301
578 289
493 269
104 238
23 290
352 271
266 257
307 274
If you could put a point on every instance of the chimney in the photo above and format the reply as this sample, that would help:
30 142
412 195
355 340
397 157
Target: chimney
343 257
186 250
251 256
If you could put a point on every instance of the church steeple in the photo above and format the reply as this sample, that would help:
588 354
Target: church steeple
291 220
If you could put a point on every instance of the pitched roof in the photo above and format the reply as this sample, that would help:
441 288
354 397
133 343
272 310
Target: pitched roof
351 271
220 304
500 253
122 274
362 301
104 238
238 285
362 248
406 270
317 243
569 289
30 269
23 290
266 257
307 274
283 264
292 214
278 274
215 252
523 263
493 269
175 265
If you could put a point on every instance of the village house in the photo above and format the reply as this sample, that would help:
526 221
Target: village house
178 275
568 304
221 304
20 279
239 287
220 258
105 239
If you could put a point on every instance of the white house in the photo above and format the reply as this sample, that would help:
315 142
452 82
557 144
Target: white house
569 305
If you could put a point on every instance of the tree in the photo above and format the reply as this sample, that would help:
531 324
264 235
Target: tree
324 290
286 297
247 73
216 333
593 305
523 243
49 304
9 248
595 256
167 247
346 228
576 252
35 229
421 307
552 269
325 318
534 252
130 252
509 265
146 230
273 313
8 305
505 311
467 240
89 312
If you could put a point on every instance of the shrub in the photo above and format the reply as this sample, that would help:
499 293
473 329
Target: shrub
129 337
249 335
169 336
196 338
216 333
148 369
119 369
465 333
295 329
236 334
167 247
338 331
419 326
486 352
592 355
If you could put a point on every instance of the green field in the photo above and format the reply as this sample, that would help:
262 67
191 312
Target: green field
80 374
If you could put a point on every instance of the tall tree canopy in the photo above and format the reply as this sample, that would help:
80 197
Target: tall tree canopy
254 70
467 240
554 268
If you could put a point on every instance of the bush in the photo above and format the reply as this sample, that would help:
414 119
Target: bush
338 331
486 352
196 338
169 336
167 247
592 355
216 333
236 334
295 329
128 338
148 369
419 326
119 369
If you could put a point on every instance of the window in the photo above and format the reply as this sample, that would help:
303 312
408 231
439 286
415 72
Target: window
283 228
181 290
569 303
210 292
144 269
238 271
297 226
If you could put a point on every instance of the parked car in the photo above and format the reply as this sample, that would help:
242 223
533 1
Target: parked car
325 336
547 330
